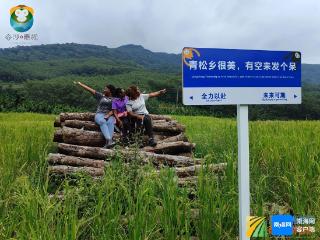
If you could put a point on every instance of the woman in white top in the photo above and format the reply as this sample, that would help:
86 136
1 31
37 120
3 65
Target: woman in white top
136 108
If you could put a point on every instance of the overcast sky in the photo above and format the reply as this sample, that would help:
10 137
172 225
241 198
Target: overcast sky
169 25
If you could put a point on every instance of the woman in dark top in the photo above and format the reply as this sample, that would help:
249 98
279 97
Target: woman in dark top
104 114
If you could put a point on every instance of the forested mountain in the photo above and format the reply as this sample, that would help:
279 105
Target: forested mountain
51 55
39 78
46 61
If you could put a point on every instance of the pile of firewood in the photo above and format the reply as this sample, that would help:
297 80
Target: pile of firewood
80 143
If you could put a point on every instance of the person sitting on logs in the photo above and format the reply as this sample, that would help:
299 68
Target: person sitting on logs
104 114
138 112
120 112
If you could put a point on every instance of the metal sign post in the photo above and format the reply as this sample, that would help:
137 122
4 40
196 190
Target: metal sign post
243 168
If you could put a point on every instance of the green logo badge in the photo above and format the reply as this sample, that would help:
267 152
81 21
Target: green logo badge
21 18
256 227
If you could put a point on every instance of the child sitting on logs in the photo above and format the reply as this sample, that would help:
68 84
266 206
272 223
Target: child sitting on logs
120 112
138 112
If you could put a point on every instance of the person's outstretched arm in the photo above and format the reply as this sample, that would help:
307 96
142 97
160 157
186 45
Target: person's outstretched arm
157 94
89 89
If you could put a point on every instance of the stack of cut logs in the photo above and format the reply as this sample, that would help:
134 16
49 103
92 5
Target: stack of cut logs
80 143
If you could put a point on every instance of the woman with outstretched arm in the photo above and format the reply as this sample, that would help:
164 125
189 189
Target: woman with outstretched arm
138 112
104 114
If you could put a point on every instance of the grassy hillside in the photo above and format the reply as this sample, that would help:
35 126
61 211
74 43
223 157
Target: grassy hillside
52 54
39 79
284 165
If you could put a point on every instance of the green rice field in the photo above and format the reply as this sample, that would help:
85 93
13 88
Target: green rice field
134 203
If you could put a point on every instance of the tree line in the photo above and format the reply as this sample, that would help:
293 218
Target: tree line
53 98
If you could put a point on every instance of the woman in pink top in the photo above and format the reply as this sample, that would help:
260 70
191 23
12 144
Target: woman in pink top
120 112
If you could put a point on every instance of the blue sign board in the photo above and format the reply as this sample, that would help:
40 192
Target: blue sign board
229 76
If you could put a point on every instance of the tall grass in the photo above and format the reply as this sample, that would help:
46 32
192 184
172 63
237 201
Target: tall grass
137 203
284 163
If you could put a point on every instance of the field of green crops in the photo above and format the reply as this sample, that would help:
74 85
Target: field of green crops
134 203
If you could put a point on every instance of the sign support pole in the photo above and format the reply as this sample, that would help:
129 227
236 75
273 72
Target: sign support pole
243 169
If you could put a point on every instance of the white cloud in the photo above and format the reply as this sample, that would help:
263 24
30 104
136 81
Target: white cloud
168 26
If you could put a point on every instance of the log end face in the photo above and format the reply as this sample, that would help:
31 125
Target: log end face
58 136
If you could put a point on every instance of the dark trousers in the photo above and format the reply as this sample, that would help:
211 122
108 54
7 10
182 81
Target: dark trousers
146 125
125 130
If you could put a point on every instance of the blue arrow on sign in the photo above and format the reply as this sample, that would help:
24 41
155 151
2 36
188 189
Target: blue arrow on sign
295 96
191 97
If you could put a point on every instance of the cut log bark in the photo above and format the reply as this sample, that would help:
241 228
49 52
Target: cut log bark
171 147
160 117
82 137
94 138
65 170
85 125
192 170
170 160
159 121
85 151
88 116
57 137
170 127
188 181
102 153
61 159
179 137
